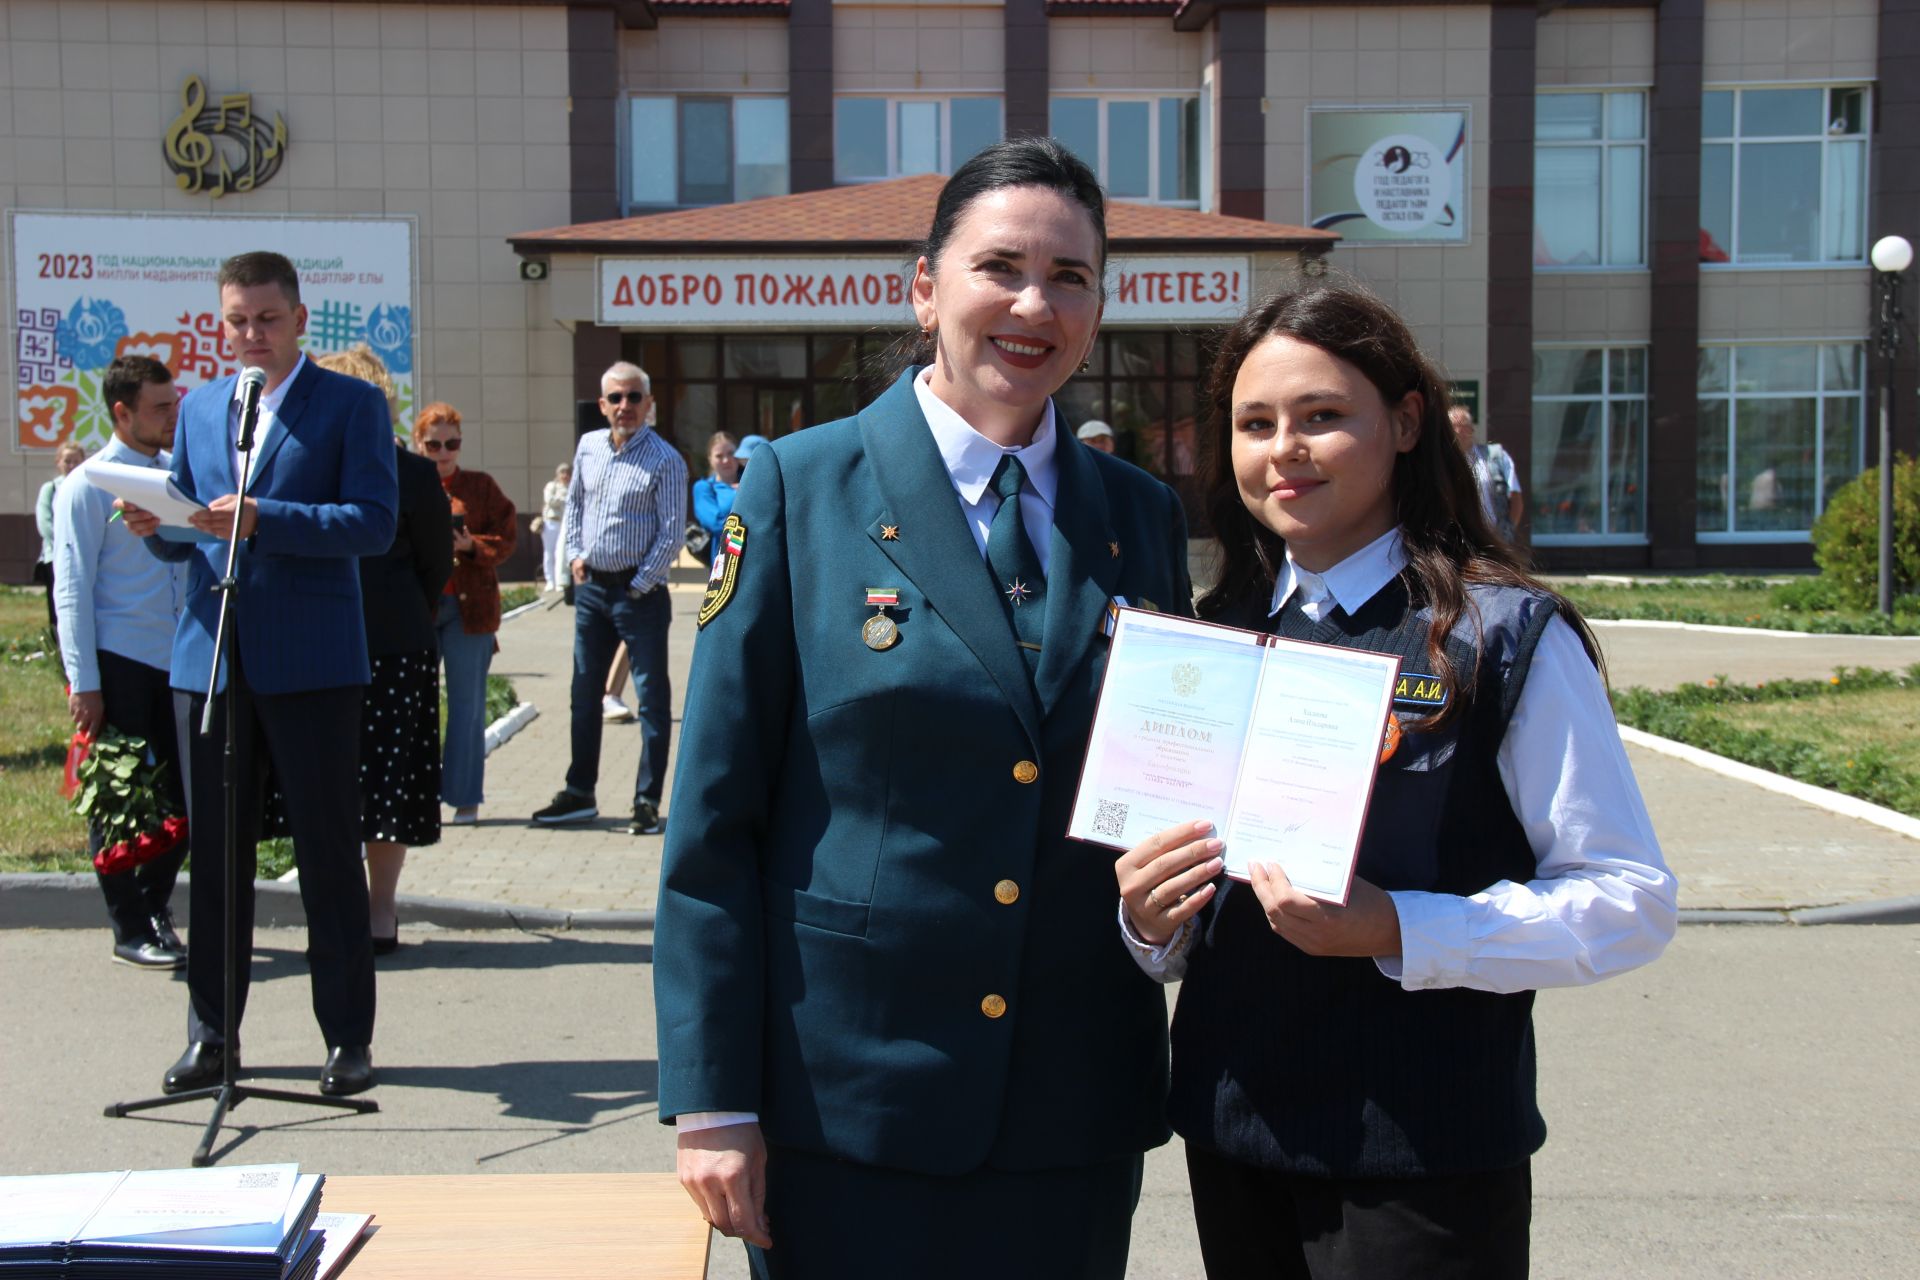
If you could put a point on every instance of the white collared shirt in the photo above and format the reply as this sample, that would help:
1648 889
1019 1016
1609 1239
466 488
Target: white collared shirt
263 426
971 460
1602 900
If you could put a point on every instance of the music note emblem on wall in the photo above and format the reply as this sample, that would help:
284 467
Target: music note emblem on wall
220 145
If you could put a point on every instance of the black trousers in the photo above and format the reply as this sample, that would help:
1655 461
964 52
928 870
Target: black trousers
833 1219
1256 1224
139 702
312 743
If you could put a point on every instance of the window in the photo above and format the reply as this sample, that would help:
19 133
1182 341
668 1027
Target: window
1589 444
704 150
1783 175
876 138
1781 427
1589 179
1142 148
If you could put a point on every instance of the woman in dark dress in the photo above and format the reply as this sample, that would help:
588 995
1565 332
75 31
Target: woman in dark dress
400 724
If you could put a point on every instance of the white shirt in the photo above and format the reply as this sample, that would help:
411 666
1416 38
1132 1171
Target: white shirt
971 460
1602 900
264 425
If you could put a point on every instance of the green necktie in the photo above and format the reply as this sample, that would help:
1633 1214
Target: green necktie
1017 575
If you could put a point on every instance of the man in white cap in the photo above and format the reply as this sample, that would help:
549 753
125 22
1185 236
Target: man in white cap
1097 434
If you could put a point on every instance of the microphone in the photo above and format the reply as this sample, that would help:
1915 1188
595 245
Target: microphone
253 384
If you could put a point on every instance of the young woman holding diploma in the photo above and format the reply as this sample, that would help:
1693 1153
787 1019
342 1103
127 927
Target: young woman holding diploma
1355 1083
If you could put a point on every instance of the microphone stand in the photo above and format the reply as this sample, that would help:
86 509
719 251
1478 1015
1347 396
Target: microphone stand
230 1093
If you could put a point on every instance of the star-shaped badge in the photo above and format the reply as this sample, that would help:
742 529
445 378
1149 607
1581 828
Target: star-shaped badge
1113 549
889 533
1018 591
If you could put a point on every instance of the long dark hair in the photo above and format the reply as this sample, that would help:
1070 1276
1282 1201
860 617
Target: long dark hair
1025 161
1448 541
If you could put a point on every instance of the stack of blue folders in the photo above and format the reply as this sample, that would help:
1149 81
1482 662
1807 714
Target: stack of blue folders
248 1222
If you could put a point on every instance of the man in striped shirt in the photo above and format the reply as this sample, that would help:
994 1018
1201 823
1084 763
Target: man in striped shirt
626 516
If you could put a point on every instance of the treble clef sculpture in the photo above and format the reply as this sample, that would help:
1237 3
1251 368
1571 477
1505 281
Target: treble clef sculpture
207 138
188 150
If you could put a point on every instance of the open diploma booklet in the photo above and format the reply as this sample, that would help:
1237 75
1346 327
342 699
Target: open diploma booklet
246 1222
1274 741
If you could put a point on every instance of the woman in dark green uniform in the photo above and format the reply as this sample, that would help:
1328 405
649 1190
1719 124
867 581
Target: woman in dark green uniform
897 1033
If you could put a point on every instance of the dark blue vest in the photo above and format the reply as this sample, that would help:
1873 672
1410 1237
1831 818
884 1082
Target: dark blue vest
1324 1066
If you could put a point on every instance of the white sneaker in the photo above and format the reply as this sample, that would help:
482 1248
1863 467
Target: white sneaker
611 708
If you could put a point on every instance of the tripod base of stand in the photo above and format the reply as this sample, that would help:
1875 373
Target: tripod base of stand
230 1095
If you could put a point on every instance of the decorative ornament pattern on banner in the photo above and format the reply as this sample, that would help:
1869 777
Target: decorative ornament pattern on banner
91 287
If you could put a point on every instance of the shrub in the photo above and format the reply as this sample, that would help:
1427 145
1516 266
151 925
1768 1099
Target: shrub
1807 595
1846 538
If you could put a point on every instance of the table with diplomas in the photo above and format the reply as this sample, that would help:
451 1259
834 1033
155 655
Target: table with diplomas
585 1226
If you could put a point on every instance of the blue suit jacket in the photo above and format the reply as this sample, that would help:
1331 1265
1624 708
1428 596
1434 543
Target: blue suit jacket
327 494
848 825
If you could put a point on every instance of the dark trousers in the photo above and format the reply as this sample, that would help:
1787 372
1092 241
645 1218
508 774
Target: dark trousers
138 702
835 1220
312 742
1256 1224
603 616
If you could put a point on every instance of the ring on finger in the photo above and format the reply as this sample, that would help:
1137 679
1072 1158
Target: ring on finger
1154 900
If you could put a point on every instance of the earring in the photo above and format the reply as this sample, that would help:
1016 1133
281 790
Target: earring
1085 364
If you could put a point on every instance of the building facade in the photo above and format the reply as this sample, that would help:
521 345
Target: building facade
1634 235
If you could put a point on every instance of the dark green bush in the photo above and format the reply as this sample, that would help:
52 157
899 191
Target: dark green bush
1846 538
1807 595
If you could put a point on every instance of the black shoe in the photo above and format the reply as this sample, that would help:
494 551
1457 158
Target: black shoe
349 1069
388 945
646 820
199 1067
149 953
567 807
163 931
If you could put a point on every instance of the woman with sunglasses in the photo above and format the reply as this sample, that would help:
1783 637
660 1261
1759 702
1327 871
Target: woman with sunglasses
469 613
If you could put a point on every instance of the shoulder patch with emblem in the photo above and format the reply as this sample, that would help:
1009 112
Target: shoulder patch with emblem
726 570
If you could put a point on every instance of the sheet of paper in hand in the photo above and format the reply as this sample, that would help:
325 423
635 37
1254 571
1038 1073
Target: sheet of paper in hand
1276 742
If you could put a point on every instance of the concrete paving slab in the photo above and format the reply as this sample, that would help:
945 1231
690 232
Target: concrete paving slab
1737 1109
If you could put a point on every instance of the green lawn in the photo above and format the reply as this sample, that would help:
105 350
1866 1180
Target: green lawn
1852 733
38 831
1736 602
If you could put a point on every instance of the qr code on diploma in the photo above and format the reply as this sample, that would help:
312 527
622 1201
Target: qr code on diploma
1110 819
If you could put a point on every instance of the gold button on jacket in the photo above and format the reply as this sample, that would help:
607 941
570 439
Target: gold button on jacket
1006 893
993 1006
1025 771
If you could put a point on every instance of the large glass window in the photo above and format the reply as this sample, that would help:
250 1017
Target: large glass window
1780 429
876 138
1146 149
1589 444
706 150
1783 175
1589 179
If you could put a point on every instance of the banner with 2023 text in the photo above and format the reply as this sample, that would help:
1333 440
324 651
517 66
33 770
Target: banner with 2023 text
89 287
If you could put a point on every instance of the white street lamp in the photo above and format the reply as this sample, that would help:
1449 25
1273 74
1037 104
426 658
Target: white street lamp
1891 256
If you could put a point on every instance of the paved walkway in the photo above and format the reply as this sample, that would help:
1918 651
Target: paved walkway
1735 846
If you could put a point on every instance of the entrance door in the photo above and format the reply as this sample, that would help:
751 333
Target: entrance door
766 407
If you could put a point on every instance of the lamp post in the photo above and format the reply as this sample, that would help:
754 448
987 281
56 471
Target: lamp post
1891 256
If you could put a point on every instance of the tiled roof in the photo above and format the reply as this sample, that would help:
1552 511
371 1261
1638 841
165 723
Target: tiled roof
889 215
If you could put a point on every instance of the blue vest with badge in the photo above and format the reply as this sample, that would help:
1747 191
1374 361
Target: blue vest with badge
1323 1066
872 931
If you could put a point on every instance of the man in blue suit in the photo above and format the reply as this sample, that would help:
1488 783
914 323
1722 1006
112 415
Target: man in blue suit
320 493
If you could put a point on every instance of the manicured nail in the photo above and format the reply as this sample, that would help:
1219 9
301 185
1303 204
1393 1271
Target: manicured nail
1215 846
1202 827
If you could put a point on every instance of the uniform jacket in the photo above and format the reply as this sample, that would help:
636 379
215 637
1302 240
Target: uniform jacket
866 846
325 483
